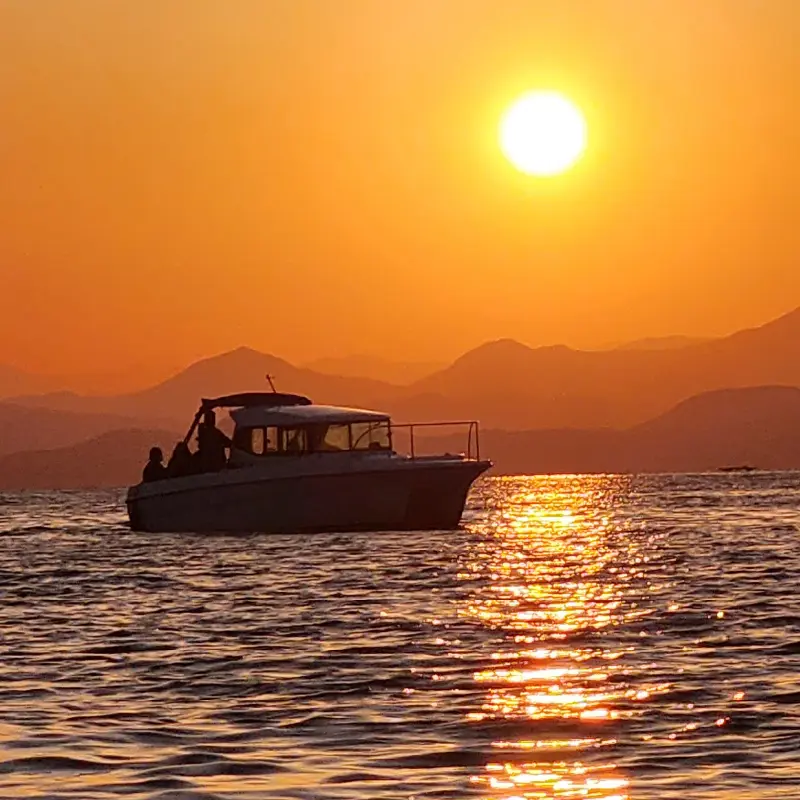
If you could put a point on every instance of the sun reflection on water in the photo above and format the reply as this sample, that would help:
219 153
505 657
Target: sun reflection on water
553 577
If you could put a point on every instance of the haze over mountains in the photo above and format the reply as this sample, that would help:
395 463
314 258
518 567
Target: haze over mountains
112 459
629 408
239 370
504 383
14 381
17 382
30 428
731 427
398 372
659 343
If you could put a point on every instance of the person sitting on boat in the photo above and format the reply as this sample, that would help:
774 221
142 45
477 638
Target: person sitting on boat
181 461
154 469
211 444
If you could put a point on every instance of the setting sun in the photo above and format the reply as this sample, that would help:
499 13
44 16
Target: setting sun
543 133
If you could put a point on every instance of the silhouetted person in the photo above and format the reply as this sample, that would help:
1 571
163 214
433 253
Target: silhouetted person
211 444
154 470
181 462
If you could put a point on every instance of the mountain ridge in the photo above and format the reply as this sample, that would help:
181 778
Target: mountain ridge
506 384
614 388
756 425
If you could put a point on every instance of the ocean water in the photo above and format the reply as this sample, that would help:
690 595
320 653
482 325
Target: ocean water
592 638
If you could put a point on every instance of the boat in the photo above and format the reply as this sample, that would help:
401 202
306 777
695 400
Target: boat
298 467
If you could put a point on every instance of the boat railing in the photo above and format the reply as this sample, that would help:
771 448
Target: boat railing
472 432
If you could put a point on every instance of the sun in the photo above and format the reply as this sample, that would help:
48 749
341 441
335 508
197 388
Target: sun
543 133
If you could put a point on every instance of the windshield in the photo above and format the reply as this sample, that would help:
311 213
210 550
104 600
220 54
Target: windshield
371 436
316 438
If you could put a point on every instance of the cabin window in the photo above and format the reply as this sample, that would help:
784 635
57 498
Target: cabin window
336 437
295 440
263 441
371 436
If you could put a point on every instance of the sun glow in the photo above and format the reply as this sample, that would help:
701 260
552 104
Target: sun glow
543 133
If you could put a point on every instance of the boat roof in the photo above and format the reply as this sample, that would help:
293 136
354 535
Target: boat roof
289 416
255 399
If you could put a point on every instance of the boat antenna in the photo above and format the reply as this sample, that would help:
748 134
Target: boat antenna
271 384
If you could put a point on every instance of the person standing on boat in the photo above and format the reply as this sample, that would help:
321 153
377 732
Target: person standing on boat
211 444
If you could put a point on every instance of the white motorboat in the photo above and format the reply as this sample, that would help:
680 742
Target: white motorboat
299 467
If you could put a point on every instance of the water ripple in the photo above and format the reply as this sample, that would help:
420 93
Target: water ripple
598 637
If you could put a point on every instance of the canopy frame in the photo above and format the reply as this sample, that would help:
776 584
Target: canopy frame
245 400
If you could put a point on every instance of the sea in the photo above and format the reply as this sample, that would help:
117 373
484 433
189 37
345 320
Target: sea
581 637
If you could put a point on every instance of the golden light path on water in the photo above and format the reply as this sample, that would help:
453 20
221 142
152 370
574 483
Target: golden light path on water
556 572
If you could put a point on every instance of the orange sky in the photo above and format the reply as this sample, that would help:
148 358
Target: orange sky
319 177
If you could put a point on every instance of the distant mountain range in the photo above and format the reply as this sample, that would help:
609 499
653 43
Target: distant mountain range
505 384
15 382
758 426
574 408
239 370
508 385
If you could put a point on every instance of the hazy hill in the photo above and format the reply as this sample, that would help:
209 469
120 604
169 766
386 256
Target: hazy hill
756 426
240 370
24 428
115 458
511 386
375 367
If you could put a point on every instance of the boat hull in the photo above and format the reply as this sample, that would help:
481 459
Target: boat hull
412 496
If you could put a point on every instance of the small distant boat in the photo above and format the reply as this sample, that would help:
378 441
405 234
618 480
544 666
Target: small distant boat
738 468
297 467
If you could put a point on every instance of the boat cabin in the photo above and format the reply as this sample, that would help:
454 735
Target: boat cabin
267 432
271 425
